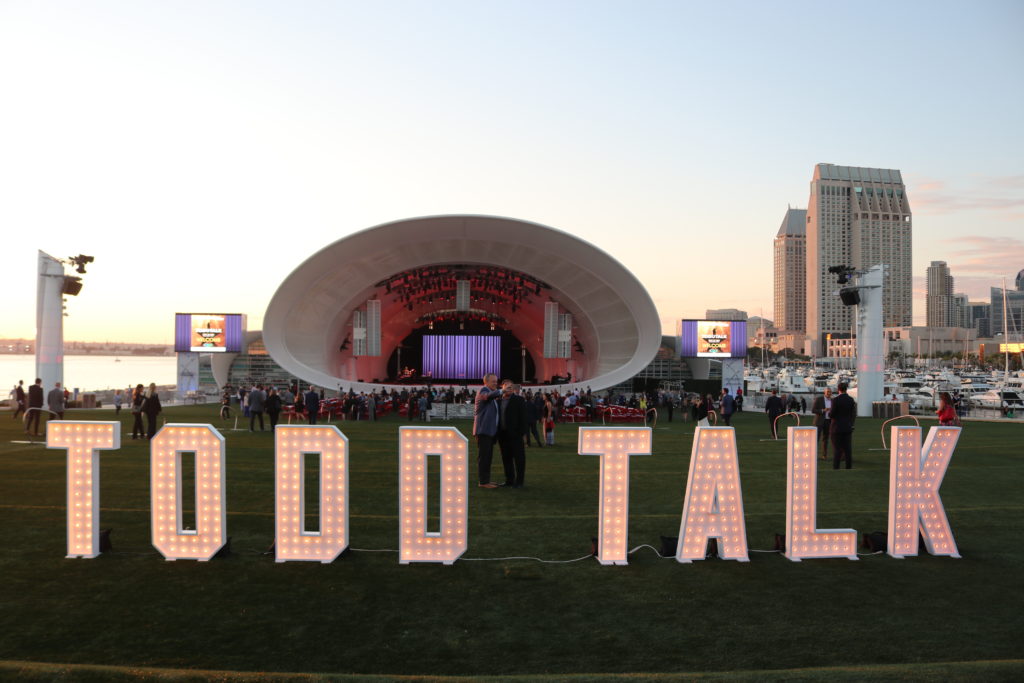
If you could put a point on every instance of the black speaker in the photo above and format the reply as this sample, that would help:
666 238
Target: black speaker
72 285
850 296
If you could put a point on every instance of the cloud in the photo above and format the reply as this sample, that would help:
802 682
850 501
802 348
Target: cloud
983 256
999 194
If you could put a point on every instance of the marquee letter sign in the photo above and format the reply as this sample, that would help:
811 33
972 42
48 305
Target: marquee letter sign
714 501
615 445
914 479
210 534
82 441
713 506
802 539
416 544
292 541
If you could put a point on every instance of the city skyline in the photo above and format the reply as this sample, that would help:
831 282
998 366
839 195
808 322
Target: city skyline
233 144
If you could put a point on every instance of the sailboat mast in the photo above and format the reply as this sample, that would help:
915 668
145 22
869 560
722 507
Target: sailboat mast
1006 337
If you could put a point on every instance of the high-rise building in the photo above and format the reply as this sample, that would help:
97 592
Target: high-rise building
857 217
961 310
1014 303
791 272
940 308
978 316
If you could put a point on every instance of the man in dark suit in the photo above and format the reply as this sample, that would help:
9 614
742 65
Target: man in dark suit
35 407
844 412
485 428
311 400
774 407
823 421
511 429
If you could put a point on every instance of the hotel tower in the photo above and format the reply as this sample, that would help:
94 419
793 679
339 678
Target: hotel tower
856 217
790 261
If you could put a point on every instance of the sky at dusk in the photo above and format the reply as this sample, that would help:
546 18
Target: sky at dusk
201 151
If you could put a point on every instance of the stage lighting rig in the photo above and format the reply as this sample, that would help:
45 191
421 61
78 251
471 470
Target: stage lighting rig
843 273
80 261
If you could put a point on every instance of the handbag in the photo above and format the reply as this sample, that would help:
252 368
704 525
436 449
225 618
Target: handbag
703 422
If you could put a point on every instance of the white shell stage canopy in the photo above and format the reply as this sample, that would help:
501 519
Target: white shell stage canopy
616 329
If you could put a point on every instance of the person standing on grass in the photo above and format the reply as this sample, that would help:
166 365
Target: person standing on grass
844 412
273 407
118 399
550 413
55 401
821 408
138 399
728 406
151 407
946 412
35 406
311 401
257 400
511 429
485 428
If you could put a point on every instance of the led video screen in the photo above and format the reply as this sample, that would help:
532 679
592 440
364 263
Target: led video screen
208 332
461 356
713 339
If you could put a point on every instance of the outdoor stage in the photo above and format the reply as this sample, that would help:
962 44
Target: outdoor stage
365 613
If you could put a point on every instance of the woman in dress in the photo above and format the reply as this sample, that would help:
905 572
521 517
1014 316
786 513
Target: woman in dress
946 411
138 398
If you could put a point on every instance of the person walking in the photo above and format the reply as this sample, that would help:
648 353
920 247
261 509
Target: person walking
774 407
844 413
152 408
225 405
138 399
19 399
532 417
118 400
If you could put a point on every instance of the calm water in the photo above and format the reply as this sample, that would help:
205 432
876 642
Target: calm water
93 373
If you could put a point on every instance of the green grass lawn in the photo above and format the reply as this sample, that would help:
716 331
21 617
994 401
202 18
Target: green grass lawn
874 618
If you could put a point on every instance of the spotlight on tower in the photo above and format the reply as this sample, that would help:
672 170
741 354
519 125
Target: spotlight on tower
80 262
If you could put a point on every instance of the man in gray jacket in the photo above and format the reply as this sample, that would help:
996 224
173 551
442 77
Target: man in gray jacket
55 401
257 400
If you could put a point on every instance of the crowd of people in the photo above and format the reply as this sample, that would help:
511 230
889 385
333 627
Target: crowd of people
29 405
532 422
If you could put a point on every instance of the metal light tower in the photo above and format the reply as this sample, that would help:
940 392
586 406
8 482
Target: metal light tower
870 342
51 286
863 289
50 321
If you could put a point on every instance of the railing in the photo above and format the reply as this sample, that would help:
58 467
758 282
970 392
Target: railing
775 423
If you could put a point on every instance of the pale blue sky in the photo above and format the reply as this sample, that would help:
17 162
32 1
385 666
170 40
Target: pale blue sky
202 150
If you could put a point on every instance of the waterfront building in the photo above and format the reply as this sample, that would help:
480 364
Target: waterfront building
940 308
856 217
978 317
1014 309
790 261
